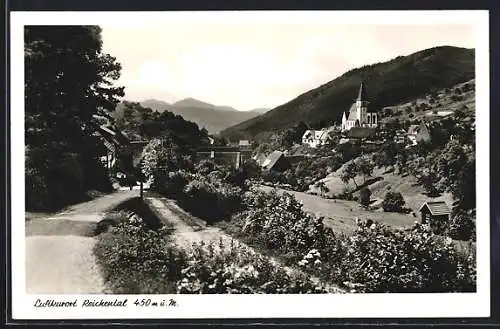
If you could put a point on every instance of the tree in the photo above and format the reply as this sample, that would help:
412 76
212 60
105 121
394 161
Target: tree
350 172
321 186
393 202
365 167
428 179
461 227
364 197
160 157
68 81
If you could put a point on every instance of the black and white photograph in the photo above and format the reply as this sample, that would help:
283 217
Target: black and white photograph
250 164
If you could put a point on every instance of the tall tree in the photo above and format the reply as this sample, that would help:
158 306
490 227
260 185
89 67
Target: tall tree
68 80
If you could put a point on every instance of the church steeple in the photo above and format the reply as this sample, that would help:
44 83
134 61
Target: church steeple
361 93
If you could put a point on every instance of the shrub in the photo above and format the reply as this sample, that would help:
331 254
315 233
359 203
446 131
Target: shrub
175 183
382 260
277 222
364 197
137 260
235 269
211 199
393 202
461 227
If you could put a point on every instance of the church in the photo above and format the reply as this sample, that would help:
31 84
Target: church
358 115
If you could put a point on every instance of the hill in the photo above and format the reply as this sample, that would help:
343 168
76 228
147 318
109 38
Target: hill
211 117
401 79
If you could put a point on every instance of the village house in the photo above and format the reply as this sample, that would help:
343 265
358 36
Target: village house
417 133
436 214
315 138
111 140
276 161
244 142
358 115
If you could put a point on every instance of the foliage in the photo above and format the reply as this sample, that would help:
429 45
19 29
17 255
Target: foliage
393 202
350 172
382 260
321 186
211 198
374 259
364 197
461 227
235 269
276 221
159 158
142 123
137 260
69 80
364 167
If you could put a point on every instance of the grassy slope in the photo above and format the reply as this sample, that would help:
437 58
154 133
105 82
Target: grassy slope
393 82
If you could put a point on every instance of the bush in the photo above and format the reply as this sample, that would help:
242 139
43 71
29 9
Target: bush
382 260
211 199
235 269
374 259
364 197
137 260
461 227
277 222
393 202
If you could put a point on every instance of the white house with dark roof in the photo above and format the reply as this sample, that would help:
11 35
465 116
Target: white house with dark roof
315 138
358 115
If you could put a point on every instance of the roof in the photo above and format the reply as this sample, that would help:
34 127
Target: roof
360 132
415 129
316 134
260 158
361 93
436 207
353 112
272 159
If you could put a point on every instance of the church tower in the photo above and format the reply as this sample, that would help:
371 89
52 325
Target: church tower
361 104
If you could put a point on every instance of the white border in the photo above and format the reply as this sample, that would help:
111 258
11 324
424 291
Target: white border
258 306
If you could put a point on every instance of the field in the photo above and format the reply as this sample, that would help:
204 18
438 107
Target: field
384 182
340 215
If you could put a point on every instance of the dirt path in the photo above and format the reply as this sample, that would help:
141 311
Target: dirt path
189 229
59 257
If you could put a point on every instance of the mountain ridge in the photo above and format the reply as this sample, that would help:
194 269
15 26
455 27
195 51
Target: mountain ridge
214 118
388 83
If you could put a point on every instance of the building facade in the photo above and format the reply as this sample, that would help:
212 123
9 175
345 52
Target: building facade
358 115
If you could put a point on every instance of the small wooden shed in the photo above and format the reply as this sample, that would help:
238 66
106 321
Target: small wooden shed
436 214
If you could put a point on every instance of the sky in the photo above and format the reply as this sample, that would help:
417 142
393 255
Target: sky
258 64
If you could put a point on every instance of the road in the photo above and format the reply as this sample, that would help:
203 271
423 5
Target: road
59 258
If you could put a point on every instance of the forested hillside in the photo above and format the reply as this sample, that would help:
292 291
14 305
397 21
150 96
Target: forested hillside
402 79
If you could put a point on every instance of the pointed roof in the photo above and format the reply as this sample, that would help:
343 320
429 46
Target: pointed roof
361 93
436 208
271 160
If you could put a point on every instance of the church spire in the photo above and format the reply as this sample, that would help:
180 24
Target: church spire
361 93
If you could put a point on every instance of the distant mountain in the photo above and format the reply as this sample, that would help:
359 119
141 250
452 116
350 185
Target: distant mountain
212 117
393 82
260 110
